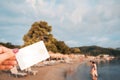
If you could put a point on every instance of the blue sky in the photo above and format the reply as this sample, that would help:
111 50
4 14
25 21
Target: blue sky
77 22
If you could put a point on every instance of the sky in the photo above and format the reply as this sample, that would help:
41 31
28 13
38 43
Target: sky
76 22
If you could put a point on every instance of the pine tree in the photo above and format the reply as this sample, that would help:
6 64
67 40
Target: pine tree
42 31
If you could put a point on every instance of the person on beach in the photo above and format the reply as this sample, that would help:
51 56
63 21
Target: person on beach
93 71
7 58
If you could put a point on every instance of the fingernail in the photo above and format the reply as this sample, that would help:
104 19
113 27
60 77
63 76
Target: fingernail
15 50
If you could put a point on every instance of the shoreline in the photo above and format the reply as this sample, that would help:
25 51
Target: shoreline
56 70
53 72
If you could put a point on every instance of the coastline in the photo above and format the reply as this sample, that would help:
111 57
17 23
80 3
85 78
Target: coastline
54 72
55 69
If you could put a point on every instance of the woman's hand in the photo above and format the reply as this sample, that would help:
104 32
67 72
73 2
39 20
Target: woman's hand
7 58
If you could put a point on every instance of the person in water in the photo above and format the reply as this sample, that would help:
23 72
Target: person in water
93 71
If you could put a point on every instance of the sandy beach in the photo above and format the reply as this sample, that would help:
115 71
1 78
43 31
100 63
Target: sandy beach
55 70
51 72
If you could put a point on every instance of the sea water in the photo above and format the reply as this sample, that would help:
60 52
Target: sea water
106 71
109 70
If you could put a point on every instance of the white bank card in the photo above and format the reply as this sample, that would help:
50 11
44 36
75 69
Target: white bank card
32 54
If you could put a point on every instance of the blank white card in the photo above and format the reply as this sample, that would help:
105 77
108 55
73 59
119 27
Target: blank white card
32 54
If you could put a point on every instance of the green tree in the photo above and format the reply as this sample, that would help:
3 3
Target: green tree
42 31
39 31
75 50
62 47
9 45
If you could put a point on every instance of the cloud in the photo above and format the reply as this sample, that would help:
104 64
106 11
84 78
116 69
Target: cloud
32 2
80 12
79 22
99 40
43 7
77 15
71 43
104 42
13 34
3 40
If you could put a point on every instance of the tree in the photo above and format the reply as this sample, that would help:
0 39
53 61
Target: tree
75 50
9 45
42 31
39 31
62 47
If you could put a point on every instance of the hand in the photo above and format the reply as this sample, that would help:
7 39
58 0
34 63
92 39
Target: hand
7 58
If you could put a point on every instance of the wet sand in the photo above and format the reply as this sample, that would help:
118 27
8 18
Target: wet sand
54 72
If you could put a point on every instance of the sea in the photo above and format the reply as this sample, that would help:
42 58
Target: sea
106 71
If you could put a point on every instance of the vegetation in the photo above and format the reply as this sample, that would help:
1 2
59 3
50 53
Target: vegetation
9 45
75 50
95 50
42 31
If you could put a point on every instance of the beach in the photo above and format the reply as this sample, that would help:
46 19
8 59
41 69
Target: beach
73 68
57 71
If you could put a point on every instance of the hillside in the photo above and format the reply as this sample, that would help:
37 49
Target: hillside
9 45
96 50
